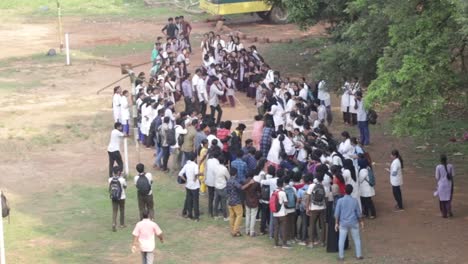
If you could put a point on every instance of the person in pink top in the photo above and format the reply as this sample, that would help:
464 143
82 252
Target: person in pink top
257 131
143 237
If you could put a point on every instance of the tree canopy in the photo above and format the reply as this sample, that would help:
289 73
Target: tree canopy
410 53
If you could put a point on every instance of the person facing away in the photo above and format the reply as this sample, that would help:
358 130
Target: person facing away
144 238
347 217
117 186
113 149
444 176
143 182
192 187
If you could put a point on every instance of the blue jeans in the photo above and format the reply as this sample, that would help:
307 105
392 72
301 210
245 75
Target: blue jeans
356 238
159 156
364 130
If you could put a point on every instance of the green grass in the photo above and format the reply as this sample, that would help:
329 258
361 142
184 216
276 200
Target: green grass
72 225
83 8
120 49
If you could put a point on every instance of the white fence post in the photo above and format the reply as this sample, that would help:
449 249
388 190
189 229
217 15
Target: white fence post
67 47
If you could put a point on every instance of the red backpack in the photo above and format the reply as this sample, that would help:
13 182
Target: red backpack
275 205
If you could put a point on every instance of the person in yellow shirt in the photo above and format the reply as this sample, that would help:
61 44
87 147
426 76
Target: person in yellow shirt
202 156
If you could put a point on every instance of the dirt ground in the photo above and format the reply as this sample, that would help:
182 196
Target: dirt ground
68 95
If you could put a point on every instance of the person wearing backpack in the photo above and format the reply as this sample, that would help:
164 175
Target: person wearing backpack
278 200
180 132
317 210
304 202
143 182
117 186
366 189
290 209
270 181
347 217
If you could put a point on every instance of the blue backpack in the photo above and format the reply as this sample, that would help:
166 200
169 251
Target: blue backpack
291 195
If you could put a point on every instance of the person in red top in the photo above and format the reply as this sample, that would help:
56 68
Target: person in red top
224 134
338 180
186 30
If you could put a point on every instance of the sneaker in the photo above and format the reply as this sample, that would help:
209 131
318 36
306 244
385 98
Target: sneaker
340 259
399 210
226 219
253 234
302 243
123 226
286 246
360 258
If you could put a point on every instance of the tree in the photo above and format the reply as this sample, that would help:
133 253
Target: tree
412 53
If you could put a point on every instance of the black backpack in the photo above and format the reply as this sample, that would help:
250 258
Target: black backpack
265 193
180 140
143 185
372 116
170 137
115 189
5 206
340 156
317 197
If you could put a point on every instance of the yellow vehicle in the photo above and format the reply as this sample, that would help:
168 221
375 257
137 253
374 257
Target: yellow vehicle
275 14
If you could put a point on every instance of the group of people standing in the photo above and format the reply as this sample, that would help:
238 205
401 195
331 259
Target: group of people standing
301 183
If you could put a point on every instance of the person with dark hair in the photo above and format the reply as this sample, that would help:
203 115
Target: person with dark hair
113 150
363 121
170 30
252 195
316 210
216 90
240 166
165 128
143 237
202 157
221 175
266 139
224 134
192 186
234 188
444 176
143 181
116 101
350 177
279 218
347 217
346 148
257 131
188 147
269 180
396 179
117 186
236 141
366 190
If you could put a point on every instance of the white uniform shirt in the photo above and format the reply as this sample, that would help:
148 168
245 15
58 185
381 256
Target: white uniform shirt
282 200
214 93
201 90
221 176
116 106
191 170
115 140
124 110
210 171
396 175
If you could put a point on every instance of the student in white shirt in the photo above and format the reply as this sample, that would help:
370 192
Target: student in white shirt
192 186
325 99
363 122
125 112
215 91
113 150
211 165
202 93
346 148
346 102
221 177
316 209
116 103
117 204
279 218
396 178
145 200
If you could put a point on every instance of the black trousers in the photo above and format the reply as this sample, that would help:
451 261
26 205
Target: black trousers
279 224
145 202
220 113
192 203
116 207
397 195
211 195
368 208
166 154
114 157
203 108
265 217
188 105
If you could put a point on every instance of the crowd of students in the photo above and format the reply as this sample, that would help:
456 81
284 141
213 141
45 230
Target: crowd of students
301 183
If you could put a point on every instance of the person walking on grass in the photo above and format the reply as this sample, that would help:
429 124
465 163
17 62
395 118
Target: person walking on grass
143 182
144 238
192 186
117 186
113 150
396 179
234 189
347 217
444 176
279 217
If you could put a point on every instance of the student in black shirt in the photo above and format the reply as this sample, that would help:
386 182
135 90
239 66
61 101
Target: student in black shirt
170 30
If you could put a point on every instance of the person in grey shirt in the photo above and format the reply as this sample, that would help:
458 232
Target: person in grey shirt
348 215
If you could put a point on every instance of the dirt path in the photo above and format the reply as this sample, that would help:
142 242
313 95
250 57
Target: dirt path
417 235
